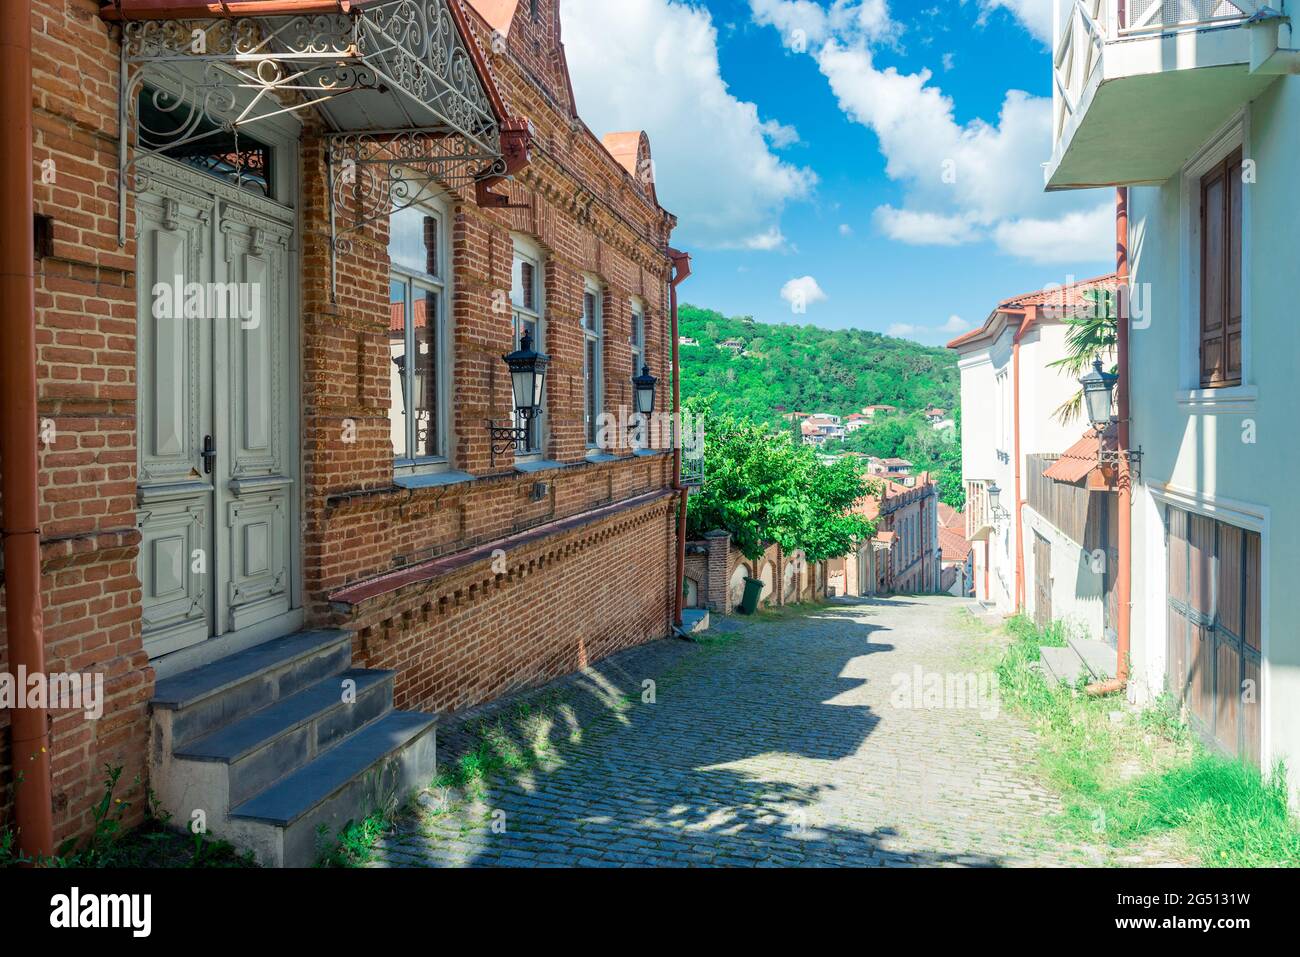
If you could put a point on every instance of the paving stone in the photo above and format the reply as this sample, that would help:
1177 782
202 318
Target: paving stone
784 747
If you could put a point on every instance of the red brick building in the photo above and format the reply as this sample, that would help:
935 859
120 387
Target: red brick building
904 556
387 221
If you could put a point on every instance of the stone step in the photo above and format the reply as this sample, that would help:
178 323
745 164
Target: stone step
258 750
694 620
1062 664
1097 656
198 702
288 824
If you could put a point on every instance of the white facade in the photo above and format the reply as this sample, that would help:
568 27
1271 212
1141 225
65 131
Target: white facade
1223 457
1231 452
989 422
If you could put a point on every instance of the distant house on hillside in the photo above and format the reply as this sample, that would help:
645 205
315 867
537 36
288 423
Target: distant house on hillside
735 345
687 341
819 429
871 411
855 421
896 466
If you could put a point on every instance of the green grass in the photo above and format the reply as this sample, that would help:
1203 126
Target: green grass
1145 777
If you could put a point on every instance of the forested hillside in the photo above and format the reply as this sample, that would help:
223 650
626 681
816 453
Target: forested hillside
793 368
807 369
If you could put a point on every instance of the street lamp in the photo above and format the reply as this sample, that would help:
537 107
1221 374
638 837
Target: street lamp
644 385
1098 388
995 501
527 380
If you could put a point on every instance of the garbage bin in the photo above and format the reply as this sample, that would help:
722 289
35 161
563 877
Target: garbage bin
753 589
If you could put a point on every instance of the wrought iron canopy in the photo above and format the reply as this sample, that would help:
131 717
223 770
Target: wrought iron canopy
400 83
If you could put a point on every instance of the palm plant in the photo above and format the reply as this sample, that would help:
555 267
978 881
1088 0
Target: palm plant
1091 333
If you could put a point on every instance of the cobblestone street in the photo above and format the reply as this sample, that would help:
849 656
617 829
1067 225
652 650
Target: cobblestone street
780 744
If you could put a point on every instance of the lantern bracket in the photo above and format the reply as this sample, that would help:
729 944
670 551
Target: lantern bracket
508 438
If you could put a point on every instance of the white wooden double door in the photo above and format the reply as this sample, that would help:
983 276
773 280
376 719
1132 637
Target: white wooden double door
216 409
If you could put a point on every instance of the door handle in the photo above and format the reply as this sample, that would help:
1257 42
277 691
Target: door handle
209 454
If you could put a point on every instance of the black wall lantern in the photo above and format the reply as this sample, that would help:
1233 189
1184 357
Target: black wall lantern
644 386
1098 387
995 502
527 380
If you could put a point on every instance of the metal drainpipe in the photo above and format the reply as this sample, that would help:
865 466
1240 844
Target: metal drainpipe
681 270
1030 314
1124 490
29 731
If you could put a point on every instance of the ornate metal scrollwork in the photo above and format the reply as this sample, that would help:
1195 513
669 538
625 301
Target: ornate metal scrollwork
220 76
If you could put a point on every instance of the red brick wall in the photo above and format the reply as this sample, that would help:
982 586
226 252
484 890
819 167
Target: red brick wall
455 641
85 317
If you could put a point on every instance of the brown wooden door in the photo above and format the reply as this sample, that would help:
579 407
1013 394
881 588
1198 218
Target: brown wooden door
1214 629
1042 581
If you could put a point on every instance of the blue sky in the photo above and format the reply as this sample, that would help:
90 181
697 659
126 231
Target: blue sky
884 156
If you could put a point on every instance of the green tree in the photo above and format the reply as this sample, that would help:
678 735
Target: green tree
764 488
1090 335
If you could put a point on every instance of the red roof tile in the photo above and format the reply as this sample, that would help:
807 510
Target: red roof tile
1054 301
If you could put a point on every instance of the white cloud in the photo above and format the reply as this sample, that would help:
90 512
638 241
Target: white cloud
1035 15
802 292
962 182
846 230
902 330
805 23
653 65
949 61
780 135
927 229
766 241
955 323
1074 237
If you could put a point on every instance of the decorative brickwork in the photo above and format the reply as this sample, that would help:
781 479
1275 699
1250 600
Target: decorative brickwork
601 581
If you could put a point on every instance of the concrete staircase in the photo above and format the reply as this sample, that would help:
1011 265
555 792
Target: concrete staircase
1083 658
282 741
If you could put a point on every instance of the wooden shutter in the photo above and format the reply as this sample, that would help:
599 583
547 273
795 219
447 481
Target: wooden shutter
1221 202
1232 270
1213 258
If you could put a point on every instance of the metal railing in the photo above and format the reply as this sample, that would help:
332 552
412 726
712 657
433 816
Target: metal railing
1084 27
1141 16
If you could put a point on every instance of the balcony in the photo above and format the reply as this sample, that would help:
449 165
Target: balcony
1138 85
980 523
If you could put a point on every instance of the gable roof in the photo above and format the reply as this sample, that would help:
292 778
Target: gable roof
1052 302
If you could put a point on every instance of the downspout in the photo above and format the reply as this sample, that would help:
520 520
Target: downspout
28 728
1031 313
1124 489
681 270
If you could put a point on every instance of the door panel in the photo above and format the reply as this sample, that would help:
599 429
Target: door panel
174 356
251 362
217 531
1042 581
1213 612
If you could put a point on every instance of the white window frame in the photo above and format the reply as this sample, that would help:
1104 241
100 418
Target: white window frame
527 251
593 332
1240 398
408 464
636 338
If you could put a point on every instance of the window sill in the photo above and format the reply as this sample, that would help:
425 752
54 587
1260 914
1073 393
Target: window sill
538 465
432 479
1236 398
595 455
645 453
